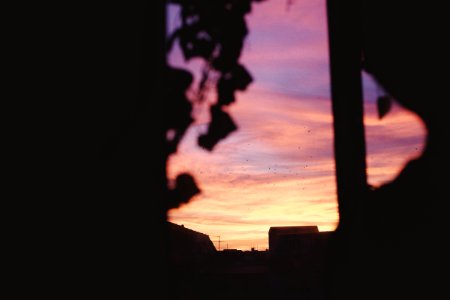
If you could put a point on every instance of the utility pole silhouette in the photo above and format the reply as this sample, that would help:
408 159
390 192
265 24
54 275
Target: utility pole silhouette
347 104
218 241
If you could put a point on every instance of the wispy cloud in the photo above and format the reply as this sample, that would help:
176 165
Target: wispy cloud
276 170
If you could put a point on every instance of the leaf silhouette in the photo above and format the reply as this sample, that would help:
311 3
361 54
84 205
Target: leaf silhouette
242 77
225 90
195 44
185 189
177 111
384 104
213 31
219 128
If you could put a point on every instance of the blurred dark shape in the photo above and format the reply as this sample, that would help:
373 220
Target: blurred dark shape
404 54
202 84
215 31
403 51
195 43
225 90
241 77
221 126
394 245
210 25
185 189
236 79
178 109
384 104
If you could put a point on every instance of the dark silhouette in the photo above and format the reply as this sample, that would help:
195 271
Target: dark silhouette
390 243
113 195
292 268
214 32
178 107
190 254
297 262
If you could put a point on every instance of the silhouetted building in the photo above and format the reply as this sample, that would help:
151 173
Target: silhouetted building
297 256
290 238
301 242
188 246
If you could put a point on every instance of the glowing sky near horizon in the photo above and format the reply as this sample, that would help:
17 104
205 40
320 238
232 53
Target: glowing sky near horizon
278 168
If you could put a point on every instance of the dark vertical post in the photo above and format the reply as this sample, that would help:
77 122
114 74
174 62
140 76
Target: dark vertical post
347 102
155 52
151 147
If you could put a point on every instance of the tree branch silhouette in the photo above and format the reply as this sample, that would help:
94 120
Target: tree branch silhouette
213 31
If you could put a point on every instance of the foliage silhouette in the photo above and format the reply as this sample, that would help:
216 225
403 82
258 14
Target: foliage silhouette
213 31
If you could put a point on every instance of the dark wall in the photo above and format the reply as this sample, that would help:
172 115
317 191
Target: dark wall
107 235
392 246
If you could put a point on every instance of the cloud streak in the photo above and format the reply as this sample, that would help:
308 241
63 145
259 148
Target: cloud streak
277 170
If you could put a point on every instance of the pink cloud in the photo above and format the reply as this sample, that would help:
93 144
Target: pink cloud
391 142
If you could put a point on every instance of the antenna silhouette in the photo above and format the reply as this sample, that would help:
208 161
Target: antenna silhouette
219 240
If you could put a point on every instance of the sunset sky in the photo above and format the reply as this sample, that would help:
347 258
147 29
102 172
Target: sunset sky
278 168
